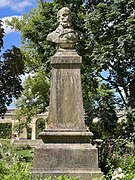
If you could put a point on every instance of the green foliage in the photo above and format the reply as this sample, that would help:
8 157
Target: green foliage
111 42
24 153
15 165
13 162
34 28
102 112
5 130
35 97
11 153
62 177
109 152
111 38
114 154
126 163
40 126
11 67
1 35
130 125
108 46
15 171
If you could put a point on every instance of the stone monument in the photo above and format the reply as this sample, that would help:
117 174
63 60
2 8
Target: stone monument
66 149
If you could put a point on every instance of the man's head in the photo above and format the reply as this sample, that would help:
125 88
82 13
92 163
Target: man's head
64 17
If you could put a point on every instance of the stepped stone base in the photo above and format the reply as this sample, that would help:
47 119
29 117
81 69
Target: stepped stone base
32 143
80 174
70 158
66 136
66 149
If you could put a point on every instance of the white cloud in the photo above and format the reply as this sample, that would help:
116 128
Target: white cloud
7 29
16 4
4 3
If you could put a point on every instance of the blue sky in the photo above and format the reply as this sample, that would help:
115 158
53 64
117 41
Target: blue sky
8 9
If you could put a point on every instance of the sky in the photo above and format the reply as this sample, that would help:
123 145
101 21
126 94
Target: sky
9 9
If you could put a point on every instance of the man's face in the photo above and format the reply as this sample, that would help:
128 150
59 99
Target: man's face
65 19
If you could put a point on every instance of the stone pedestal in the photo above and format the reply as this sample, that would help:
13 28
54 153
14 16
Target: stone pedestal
74 160
66 106
66 149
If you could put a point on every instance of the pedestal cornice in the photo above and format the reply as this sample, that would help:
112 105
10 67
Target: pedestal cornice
68 56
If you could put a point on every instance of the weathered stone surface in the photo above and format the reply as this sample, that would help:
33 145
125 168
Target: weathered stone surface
79 160
66 152
66 106
79 174
67 149
66 136
64 36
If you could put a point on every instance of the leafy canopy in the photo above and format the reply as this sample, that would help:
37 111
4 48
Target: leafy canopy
11 67
108 28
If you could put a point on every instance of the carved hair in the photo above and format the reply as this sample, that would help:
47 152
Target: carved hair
65 9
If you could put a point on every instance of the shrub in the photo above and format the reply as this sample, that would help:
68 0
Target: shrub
126 165
17 171
110 149
5 130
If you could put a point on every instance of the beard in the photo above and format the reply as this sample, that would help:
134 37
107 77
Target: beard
65 24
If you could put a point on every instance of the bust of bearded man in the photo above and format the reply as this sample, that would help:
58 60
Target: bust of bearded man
64 36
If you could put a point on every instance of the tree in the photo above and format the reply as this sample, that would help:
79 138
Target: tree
1 35
37 52
111 36
112 39
11 67
35 26
35 96
108 47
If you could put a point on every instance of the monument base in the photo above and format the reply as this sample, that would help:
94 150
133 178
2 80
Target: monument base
77 159
78 174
